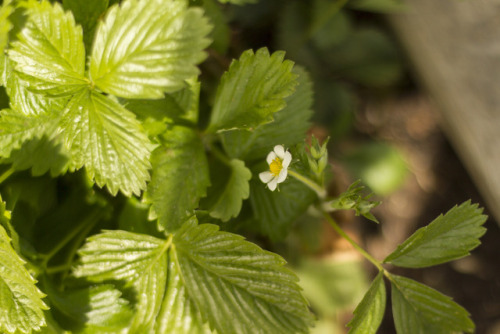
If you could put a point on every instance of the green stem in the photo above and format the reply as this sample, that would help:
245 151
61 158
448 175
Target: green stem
340 231
7 173
320 191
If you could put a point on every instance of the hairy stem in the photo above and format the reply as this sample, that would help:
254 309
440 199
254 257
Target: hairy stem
320 191
7 173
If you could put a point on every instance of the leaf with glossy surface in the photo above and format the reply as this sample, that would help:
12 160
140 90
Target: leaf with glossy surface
252 90
21 305
229 188
446 238
288 128
108 140
370 311
49 53
236 285
418 309
145 48
179 179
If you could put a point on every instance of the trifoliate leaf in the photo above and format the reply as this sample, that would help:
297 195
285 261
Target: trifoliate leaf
87 13
370 311
15 128
252 90
229 188
238 287
138 260
49 53
179 179
108 140
419 309
145 48
21 305
178 314
446 238
275 211
92 309
289 127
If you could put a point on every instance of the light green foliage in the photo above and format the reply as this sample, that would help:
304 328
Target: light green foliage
229 278
418 309
21 305
352 199
146 48
49 54
108 140
370 311
288 128
180 164
252 90
229 188
5 26
447 238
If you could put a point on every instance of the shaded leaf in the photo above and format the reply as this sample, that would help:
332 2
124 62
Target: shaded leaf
370 311
446 238
21 305
107 139
252 90
146 48
418 309
288 128
179 179
49 53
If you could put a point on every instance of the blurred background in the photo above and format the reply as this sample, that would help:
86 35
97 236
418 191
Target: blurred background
408 92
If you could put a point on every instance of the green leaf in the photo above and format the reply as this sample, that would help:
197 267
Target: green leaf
275 211
179 179
446 238
289 127
237 286
379 6
252 90
5 26
15 128
108 140
146 48
418 309
229 188
87 13
221 33
370 311
21 305
138 260
49 53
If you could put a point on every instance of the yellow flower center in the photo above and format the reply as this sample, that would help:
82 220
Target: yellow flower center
276 166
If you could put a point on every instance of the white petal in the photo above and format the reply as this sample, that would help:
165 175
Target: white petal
270 157
266 176
287 160
273 184
280 151
282 176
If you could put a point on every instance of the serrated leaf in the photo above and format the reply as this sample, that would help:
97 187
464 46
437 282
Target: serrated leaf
288 128
238 287
49 53
178 314
229 188
21 305
418 309
145 48
15 128
275 212
179 179
252 90
370 311
137 259
87 13
108 140
446 238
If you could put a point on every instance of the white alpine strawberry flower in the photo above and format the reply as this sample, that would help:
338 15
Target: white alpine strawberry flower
278 160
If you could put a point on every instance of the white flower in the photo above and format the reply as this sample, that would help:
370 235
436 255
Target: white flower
278 160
